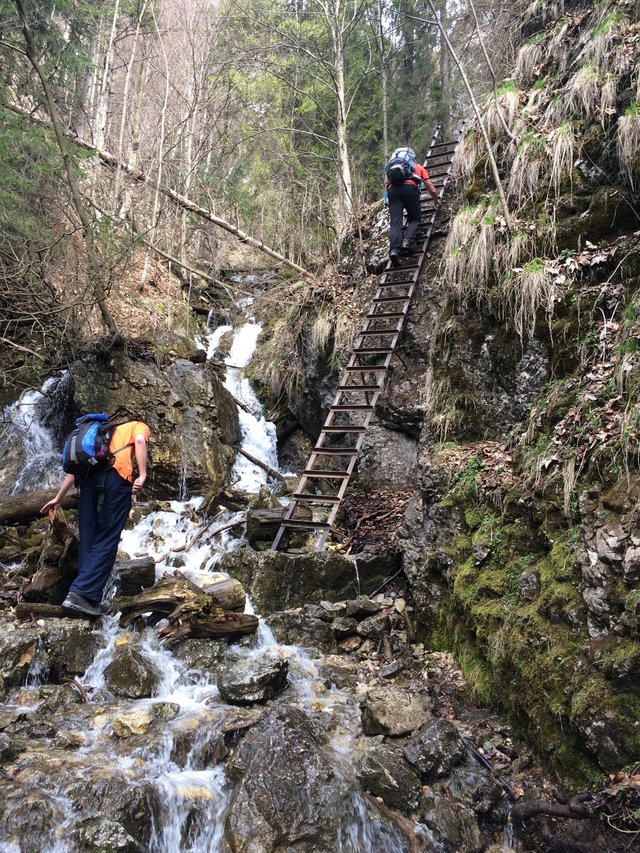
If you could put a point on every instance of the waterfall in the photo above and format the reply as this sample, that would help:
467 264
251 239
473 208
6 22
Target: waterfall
190 796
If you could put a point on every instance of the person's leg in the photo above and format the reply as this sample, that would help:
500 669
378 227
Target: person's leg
396 209
87 518
411 200
98 563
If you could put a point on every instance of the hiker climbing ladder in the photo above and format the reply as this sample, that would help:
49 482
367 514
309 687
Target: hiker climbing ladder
323 484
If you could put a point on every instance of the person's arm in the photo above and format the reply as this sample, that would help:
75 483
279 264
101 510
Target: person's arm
54 503
433 192
140 450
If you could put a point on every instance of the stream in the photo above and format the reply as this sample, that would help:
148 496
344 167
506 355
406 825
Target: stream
171 769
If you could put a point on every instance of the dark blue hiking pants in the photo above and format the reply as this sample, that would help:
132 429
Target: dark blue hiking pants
105 501
403 197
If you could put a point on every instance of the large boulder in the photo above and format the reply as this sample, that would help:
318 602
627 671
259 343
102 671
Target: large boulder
436 749
278 581
394 711
291 796
131 675
385 773
295 627
245 681
193 418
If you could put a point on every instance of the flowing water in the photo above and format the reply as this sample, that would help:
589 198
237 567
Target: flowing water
190 794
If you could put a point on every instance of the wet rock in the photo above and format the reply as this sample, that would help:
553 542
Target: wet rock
436 749
29 814
58 698
475 788
8 749
453 825
278 581
246 681
288 794
374 627
17 650
343 626
69 740
71 645
529 586
131 675
295 628
198 741
165 710
385 773
136 723
101 835
394 711
361 607
132 576
200 654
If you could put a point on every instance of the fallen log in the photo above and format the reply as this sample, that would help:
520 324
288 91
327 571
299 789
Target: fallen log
26 610
261 464
216 625
27 507
130 577
175 594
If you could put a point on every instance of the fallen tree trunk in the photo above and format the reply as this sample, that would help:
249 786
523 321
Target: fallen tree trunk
261 464
26 507
25 610
186 204
215 625
175 595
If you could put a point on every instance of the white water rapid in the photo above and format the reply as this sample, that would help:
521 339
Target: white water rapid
188 787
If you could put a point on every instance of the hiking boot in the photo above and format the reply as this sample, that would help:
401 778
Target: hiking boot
393 257
409 248
76 602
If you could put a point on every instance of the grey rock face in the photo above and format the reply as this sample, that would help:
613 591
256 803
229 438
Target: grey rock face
131 675
374 626
453 825
436 750
289 795
278 581
99 834
246 681
388 459
480 791
394 711
385 773
362 607
295 628
200 654
529 587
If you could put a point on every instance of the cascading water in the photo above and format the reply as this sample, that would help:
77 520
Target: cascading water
191 796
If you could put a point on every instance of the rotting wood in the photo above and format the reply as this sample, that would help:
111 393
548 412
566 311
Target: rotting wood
26 610
173 594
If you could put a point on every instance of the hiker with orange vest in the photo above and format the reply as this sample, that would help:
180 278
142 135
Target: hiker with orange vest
405 178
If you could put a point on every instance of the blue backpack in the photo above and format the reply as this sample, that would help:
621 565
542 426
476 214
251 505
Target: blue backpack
87 447
401 166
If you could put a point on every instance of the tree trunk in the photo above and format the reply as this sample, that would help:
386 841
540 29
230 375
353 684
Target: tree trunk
174 595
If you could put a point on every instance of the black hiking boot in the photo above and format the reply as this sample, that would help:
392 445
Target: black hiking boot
76 602
409 248
393 257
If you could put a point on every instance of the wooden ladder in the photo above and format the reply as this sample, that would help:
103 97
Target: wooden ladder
323 484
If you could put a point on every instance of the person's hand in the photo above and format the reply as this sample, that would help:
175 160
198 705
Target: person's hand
138 483
53 504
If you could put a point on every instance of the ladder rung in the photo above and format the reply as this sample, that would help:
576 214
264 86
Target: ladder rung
345 429
315 499
360 388
347 407
329 474
372 350
341 451
372 332
304 524
406 283
363 368
387 315
378 299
